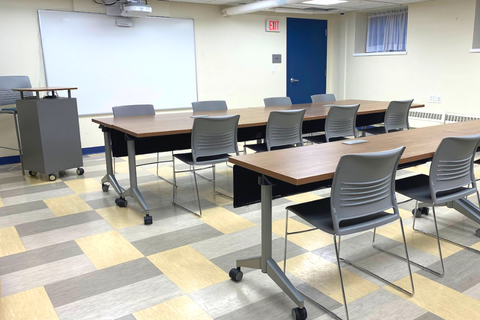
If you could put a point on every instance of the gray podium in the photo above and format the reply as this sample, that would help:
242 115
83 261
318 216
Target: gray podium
50 132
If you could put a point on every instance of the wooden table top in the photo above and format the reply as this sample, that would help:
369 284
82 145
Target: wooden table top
314 163
182 122
44 89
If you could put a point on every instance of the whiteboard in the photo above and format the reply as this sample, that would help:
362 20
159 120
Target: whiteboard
152 62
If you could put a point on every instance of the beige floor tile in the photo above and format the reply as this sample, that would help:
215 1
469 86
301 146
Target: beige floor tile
188 269
122 167
417 240
165 172
67 205
10 242
122 217
419 169
476 246
108 249
31 304
181 308
309 240
438 299
405 214
304 197
219 200
1 203
84 185
323 275
225 221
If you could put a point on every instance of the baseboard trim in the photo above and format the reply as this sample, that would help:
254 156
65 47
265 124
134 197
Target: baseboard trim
85 152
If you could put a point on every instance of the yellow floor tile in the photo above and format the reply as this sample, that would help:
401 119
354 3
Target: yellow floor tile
122 167
309 240
405 214
181 308
417 240
1 203
304 197
30 304
476 246
188 269
160 188
84 185
67 205
122 217
108 249
165 172
323 275
225 221
446 303
219 200
420 169
10 242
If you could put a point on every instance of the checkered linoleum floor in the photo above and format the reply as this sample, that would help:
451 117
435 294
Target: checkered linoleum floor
67 252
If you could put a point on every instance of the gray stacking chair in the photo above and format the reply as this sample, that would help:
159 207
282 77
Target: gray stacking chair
363 189
9 97
451 178
139 110
340 124
277 101
328 97
212 105
213 140
284 130
396 118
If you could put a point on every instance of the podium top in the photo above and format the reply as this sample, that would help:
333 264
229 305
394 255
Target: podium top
44 89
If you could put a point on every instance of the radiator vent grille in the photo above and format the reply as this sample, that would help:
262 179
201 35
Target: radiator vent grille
451 118
425 115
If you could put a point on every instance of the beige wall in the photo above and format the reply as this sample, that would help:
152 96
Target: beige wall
439 39
233 53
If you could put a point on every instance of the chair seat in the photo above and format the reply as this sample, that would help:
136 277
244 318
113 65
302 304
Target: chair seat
318 213
262 147
374 130
418 188
323 139
188 158
9 110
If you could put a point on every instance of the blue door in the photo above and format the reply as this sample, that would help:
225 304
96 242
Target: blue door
306 58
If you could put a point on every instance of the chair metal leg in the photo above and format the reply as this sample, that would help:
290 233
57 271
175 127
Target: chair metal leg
337 253
214 186
413 262
174 200
198 193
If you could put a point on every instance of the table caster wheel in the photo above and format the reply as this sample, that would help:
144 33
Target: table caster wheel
148 219
121 202
105 187
478 233
299 314
236 274
32 173
80 171
52 177
417 214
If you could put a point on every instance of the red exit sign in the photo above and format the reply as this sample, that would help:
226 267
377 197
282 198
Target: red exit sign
272 26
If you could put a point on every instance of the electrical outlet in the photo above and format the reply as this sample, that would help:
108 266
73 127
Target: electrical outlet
432 98
272 70
439 99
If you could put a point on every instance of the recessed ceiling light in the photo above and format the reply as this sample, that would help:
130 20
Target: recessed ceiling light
325 2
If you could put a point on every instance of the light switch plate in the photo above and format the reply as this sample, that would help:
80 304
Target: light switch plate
432 98
439 99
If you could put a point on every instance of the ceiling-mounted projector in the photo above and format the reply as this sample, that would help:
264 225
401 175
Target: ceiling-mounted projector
129 8
134 8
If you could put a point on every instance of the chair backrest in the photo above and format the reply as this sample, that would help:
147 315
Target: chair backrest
284 128
212 136
328 97
277 101
341 121
7 83
452 164
364 184
134 110
212 105
396 116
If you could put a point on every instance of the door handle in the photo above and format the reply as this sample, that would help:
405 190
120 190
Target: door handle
292 80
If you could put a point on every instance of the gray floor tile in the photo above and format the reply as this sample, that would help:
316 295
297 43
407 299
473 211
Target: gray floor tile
100 281
429 316
32 228
33 189
129 317
38 196
122 301
21 218
22 208
45 274
33 258
175 239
